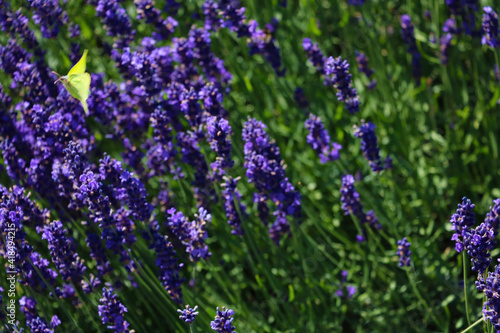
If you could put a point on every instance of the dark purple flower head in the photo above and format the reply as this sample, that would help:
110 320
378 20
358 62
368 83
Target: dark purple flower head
445 43
366 132
266 170
466 10
490 28
362 60
404 252
63 251
351 204
219 137
111 311
223 322
491 288
188 314
49 16
319 139
232 198
462 221
338 69
314 54
168 266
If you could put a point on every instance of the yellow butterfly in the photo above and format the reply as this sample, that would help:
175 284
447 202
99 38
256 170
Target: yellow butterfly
77 82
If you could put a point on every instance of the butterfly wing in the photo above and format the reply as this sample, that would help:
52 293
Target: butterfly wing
78 85
80 66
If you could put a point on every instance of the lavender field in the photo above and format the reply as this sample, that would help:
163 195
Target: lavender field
249 166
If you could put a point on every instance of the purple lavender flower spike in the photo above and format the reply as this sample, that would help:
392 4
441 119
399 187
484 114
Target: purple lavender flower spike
168 266
491 288
366 132
338 69
188 314
223 322
465 9
219 137
111 311
266 171
490 28
319 139
352 205
63 252
404 252
314 54
462 221
49 16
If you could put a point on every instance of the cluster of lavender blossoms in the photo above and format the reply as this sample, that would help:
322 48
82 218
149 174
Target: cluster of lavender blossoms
345 290
223 321
188 314
335 72
465 10
111 311
352 205
266 170
319 139
369 146
490 28
404 252
363 67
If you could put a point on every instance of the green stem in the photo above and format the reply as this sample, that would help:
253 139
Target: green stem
465 288
473 325
422 300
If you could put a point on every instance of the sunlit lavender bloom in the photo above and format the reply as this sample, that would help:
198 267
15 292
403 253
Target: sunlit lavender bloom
407 31
404 252
490 28
369 147
223 322
461 222
319 139
314 54
338 69
111 311
188 314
